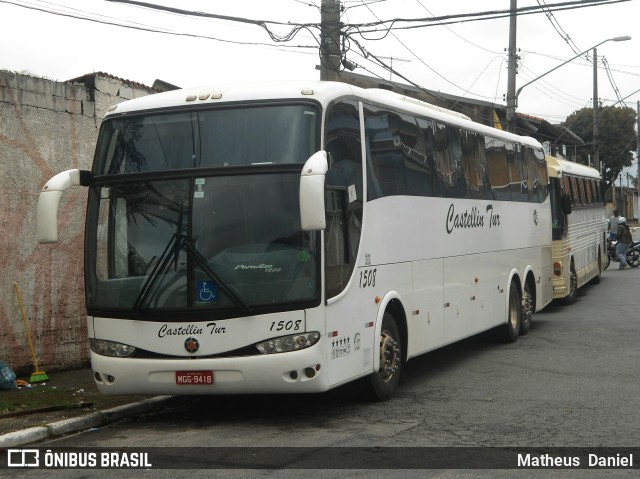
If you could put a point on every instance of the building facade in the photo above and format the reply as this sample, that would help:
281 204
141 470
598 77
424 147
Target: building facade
47 127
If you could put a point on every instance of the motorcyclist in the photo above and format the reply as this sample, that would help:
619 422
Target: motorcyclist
624 241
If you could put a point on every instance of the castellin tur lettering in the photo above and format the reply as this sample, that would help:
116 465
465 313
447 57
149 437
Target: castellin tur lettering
190 330
471 219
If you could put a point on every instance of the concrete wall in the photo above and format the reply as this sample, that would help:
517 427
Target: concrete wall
47 127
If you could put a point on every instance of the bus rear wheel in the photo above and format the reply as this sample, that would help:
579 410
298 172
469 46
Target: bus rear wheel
527 310
573 287
596 279
514 315
383 384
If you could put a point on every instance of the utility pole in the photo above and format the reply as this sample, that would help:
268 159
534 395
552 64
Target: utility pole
330 53
512 69
596 106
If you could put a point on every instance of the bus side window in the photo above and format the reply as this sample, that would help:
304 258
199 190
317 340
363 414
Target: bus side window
498 168
543 178
575 192
449 164
583 196
391 140
518 178
475 164
588 191
536 173
566 187
343 194
598 192
424 168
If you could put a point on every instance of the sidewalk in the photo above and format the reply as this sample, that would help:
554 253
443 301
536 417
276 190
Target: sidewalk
68 402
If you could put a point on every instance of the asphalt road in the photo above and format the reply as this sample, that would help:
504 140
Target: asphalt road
572 382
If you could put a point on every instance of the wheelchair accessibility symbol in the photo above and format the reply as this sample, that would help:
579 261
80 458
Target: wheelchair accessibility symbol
207 292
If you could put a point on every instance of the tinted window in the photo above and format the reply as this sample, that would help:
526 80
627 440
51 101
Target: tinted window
475 165
518 177
391 141
206 138
343 196
498 168
422 157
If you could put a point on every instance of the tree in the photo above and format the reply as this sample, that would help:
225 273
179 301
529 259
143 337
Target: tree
617 137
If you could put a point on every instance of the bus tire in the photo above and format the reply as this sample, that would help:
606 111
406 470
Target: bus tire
596 279
528 309
383 384
514 315
573 287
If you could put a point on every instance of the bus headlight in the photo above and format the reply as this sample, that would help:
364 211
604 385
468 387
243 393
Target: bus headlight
109 348
288 343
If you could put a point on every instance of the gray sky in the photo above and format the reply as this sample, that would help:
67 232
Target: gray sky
465 59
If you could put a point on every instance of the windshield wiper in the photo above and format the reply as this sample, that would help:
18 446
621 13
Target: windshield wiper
176 243
172 248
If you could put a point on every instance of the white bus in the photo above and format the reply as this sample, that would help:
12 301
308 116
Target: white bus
579 227
295 237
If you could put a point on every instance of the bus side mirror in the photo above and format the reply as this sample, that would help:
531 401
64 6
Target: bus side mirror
312 212
47 212
566 204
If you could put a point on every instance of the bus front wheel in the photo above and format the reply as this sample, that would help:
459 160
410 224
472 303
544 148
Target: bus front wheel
383 384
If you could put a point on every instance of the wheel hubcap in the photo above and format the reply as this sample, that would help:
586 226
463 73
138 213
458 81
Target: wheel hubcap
527 306
389 356
513 312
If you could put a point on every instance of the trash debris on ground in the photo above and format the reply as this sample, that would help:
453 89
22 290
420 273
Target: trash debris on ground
7 377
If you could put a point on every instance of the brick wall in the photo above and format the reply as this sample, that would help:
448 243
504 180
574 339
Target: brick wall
47 127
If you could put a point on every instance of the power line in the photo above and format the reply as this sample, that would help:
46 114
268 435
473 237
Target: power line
261 23
390 68
294 29
456 34
545 89
529 74
308 3
487 15
611 80
556 25
140 27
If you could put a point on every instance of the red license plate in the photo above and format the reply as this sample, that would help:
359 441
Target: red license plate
190 378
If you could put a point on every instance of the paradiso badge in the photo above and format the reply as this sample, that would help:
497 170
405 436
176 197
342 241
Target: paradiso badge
191 344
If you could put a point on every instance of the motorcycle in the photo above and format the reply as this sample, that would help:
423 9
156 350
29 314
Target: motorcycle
633 253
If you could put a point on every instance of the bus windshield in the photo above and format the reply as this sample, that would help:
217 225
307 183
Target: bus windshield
222 137
237 244
213 224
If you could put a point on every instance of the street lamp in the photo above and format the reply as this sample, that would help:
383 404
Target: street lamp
517 94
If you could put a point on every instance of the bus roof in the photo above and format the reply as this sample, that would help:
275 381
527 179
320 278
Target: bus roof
321 91
557 166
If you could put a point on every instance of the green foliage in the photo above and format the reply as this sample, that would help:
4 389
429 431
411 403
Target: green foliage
616 134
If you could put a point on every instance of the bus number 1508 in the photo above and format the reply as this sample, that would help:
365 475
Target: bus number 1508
285 325
368 278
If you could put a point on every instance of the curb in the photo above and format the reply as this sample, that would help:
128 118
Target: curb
76 424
